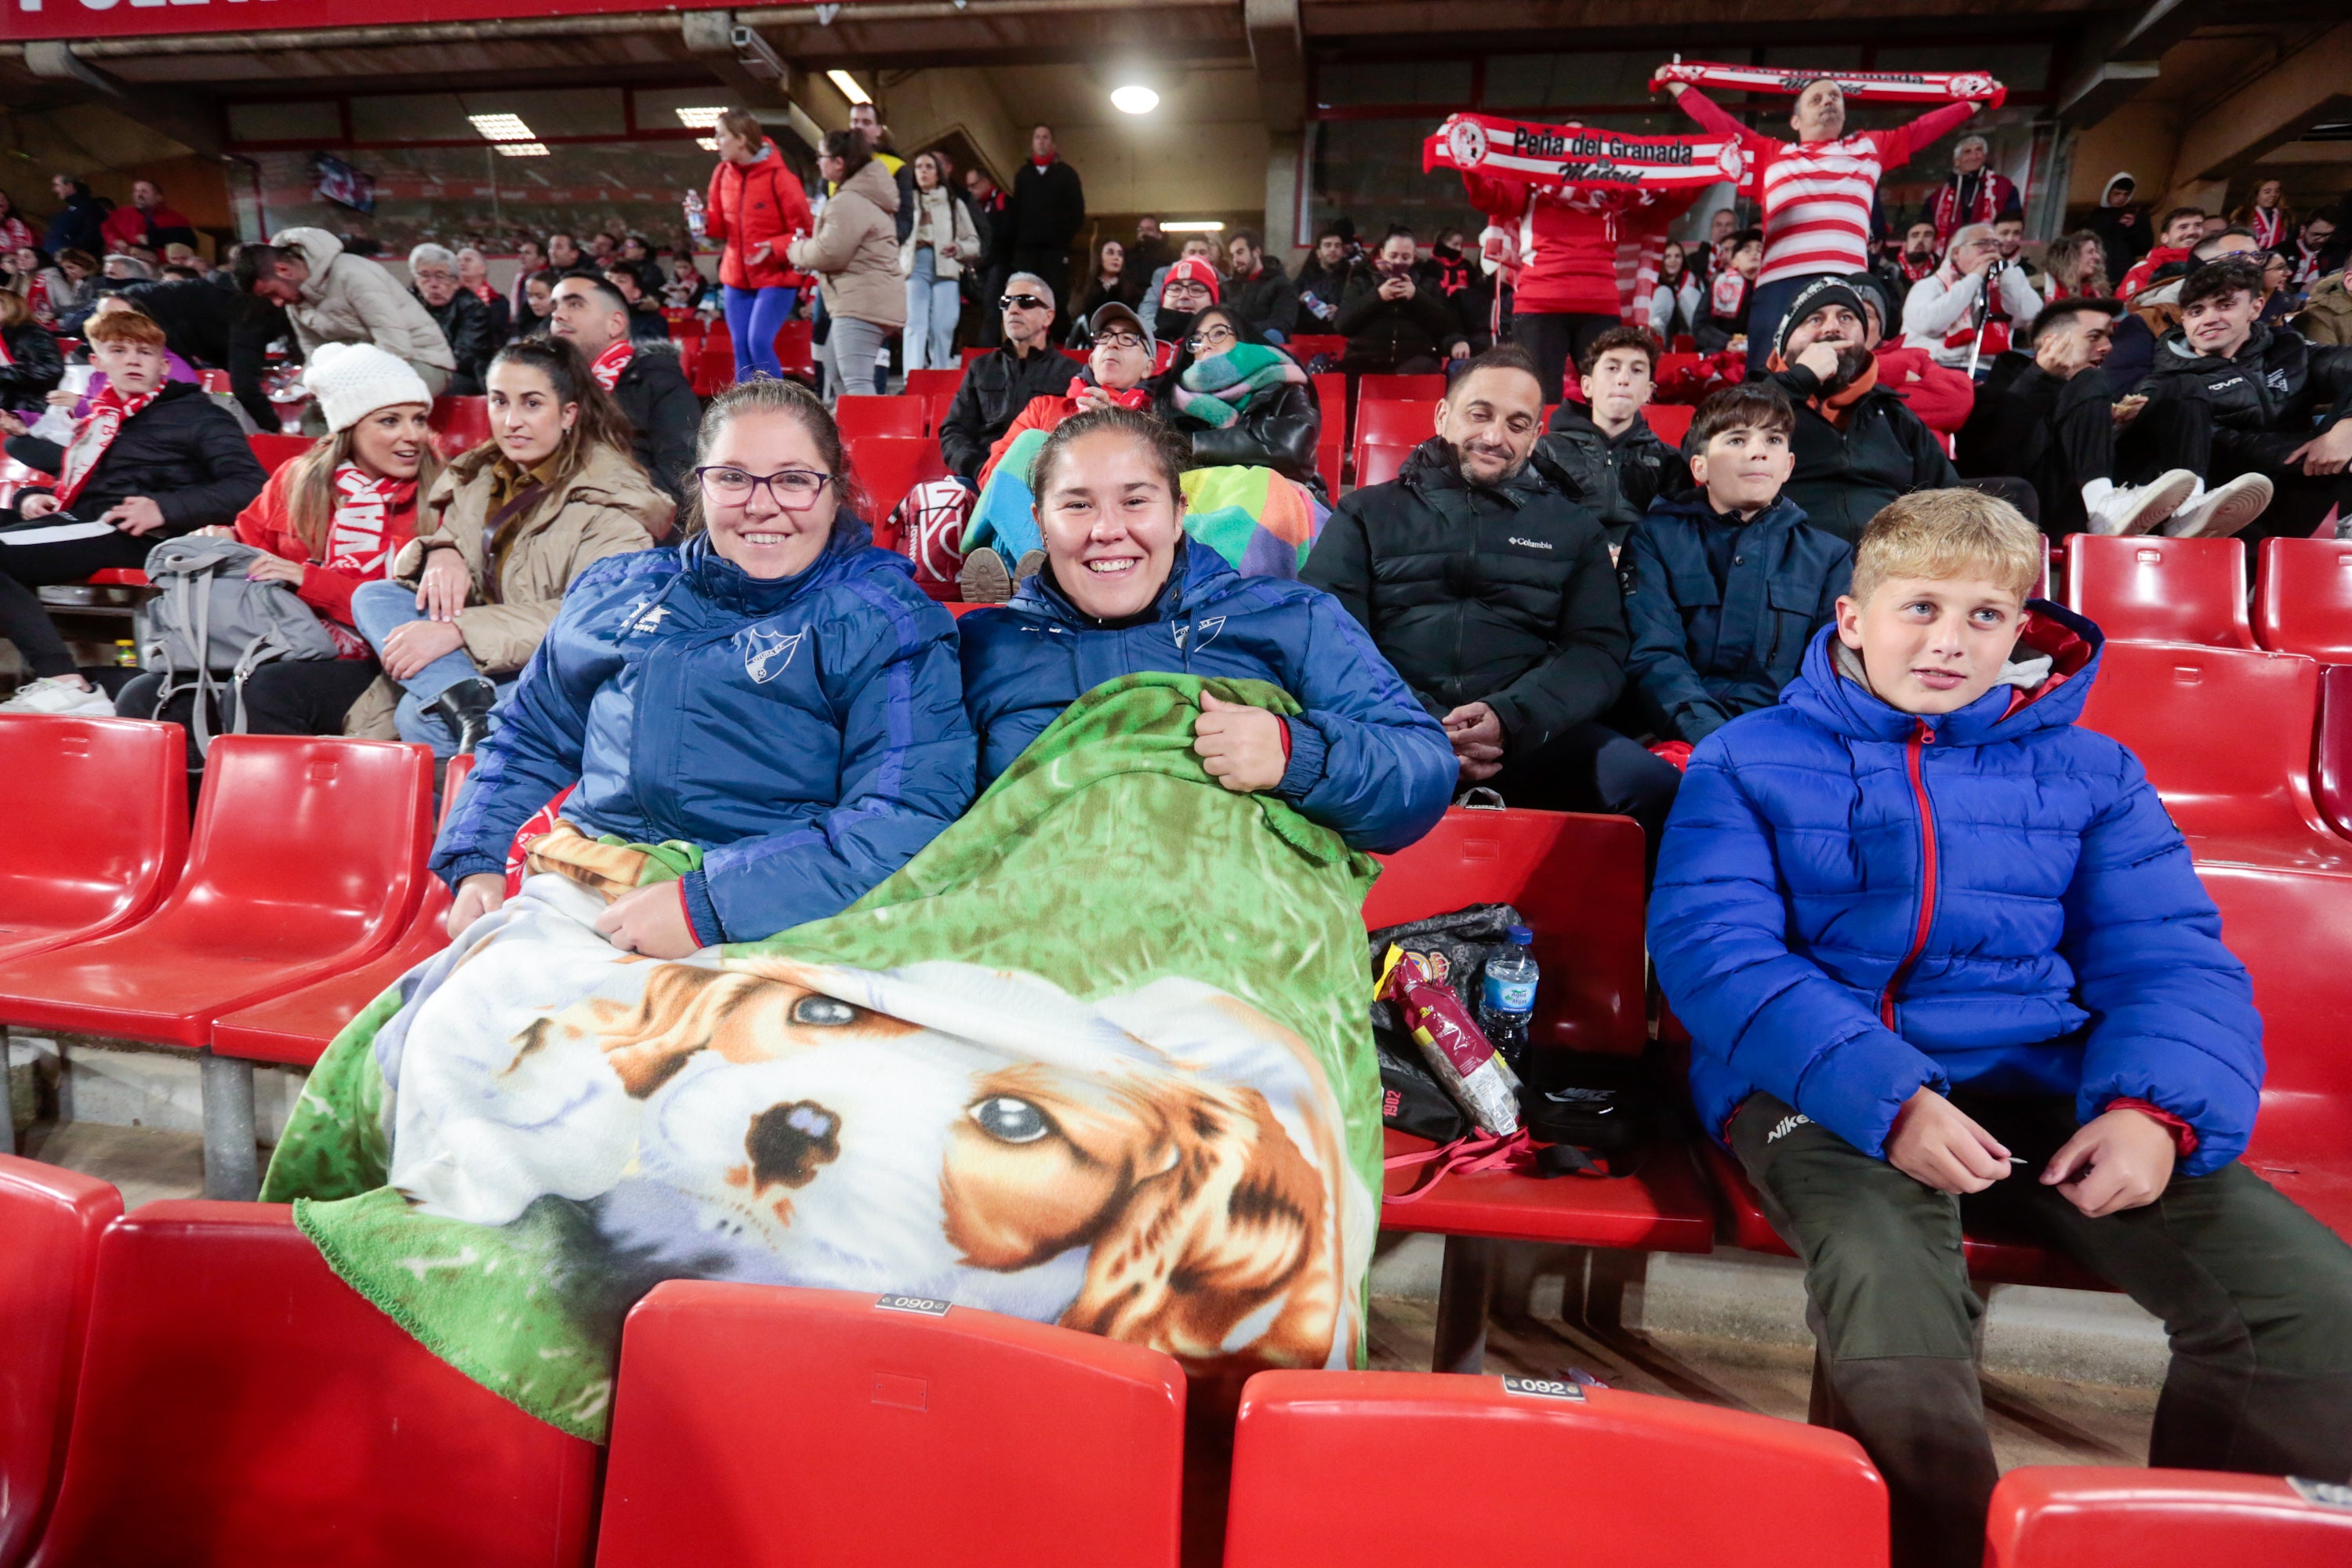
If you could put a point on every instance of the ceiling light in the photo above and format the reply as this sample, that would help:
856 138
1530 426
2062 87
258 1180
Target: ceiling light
707 143
522 149
1134 99
850 88
1194 226
700 119
501 127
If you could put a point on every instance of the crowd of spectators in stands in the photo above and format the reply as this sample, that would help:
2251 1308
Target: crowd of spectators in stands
1548 602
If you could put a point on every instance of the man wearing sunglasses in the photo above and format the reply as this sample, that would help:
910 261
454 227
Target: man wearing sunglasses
998 386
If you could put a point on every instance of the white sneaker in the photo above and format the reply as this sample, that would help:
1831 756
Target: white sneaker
2221 512
2123 510
56 695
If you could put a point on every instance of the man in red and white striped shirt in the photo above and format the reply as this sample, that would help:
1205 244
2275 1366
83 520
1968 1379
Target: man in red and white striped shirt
1816 191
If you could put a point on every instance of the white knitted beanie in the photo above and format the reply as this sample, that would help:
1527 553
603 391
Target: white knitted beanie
352 381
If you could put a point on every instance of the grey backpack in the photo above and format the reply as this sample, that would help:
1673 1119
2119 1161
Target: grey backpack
210 626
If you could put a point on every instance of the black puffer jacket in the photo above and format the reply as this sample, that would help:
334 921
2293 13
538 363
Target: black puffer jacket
1845 472
183 451
1617 476
216 327
1268 302
1502 595
466 322
1395 331
34 365
2278 384
994 390
658 402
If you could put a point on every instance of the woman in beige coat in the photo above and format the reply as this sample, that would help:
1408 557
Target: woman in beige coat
499 539
854 253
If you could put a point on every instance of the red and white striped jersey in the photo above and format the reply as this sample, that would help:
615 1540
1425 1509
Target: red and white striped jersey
1817 195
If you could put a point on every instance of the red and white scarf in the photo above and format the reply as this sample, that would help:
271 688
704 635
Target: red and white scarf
94 434
1874 86
6 357
359 537
2269 225
607 366
1565 156
1727 293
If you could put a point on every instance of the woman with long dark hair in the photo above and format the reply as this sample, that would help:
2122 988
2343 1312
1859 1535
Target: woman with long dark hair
500 537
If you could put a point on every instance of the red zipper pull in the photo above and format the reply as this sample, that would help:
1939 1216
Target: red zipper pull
1926 737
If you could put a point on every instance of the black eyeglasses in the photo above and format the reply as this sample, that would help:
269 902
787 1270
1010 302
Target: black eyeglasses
1023 302
1118 340
793 489
1211 337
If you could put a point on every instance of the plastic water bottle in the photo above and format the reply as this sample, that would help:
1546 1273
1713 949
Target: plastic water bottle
694 222
1507 1000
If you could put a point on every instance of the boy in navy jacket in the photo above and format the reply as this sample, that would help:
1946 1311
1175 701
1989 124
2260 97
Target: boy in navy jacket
1725 587
1943 955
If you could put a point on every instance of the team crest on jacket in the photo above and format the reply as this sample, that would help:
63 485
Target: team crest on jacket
766 654
1208 630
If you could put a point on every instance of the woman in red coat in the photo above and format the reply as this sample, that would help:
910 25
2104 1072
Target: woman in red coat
756 206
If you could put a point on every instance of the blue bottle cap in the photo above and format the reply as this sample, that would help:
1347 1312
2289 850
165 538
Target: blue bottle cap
1522 935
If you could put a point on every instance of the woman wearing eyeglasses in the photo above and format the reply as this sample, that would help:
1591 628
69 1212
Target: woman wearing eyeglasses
1241 402
776 693
500 538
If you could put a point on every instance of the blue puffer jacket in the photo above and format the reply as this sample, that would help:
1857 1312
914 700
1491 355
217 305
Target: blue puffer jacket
1706 655
807 732
1365 760
1853 903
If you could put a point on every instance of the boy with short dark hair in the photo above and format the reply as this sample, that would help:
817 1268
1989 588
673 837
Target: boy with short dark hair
1604 450
1943 956
1725 587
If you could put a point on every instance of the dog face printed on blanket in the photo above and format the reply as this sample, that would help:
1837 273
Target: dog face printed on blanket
1164 1167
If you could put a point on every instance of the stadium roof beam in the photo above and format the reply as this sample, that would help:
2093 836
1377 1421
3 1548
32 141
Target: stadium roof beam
2117 55
2310 86
1277 48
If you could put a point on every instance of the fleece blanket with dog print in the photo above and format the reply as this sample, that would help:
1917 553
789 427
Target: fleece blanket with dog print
1097 1057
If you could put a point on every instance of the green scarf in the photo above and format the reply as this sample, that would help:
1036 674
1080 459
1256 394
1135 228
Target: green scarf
1217 390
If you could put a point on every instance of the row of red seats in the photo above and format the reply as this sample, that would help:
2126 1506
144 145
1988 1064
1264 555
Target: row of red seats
190 1384
2194 591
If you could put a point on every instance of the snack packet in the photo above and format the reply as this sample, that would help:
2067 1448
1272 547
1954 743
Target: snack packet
1478 1079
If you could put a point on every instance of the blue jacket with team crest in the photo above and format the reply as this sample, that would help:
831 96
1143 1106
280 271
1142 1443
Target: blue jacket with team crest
807 732
1366 760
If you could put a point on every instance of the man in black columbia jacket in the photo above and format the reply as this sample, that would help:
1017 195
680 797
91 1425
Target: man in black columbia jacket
2237 401
649 384
998 386
1493 595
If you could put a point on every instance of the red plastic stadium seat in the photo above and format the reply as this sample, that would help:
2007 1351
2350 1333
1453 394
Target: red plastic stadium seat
797 349
299 1025
971 354
241 1407
1424 390
958 607
52 1219
931 384
2150 589
1578 882
891 466
1331 397
1378 463
306 861
860 417
98 826
213 380
2332 775
2304 603
714 367
1683 343
2226 737
1305 346
760 1427
1393 422
277 451
1523 1481
2067 1516
459 424
2293 929
1577 878
1670 422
